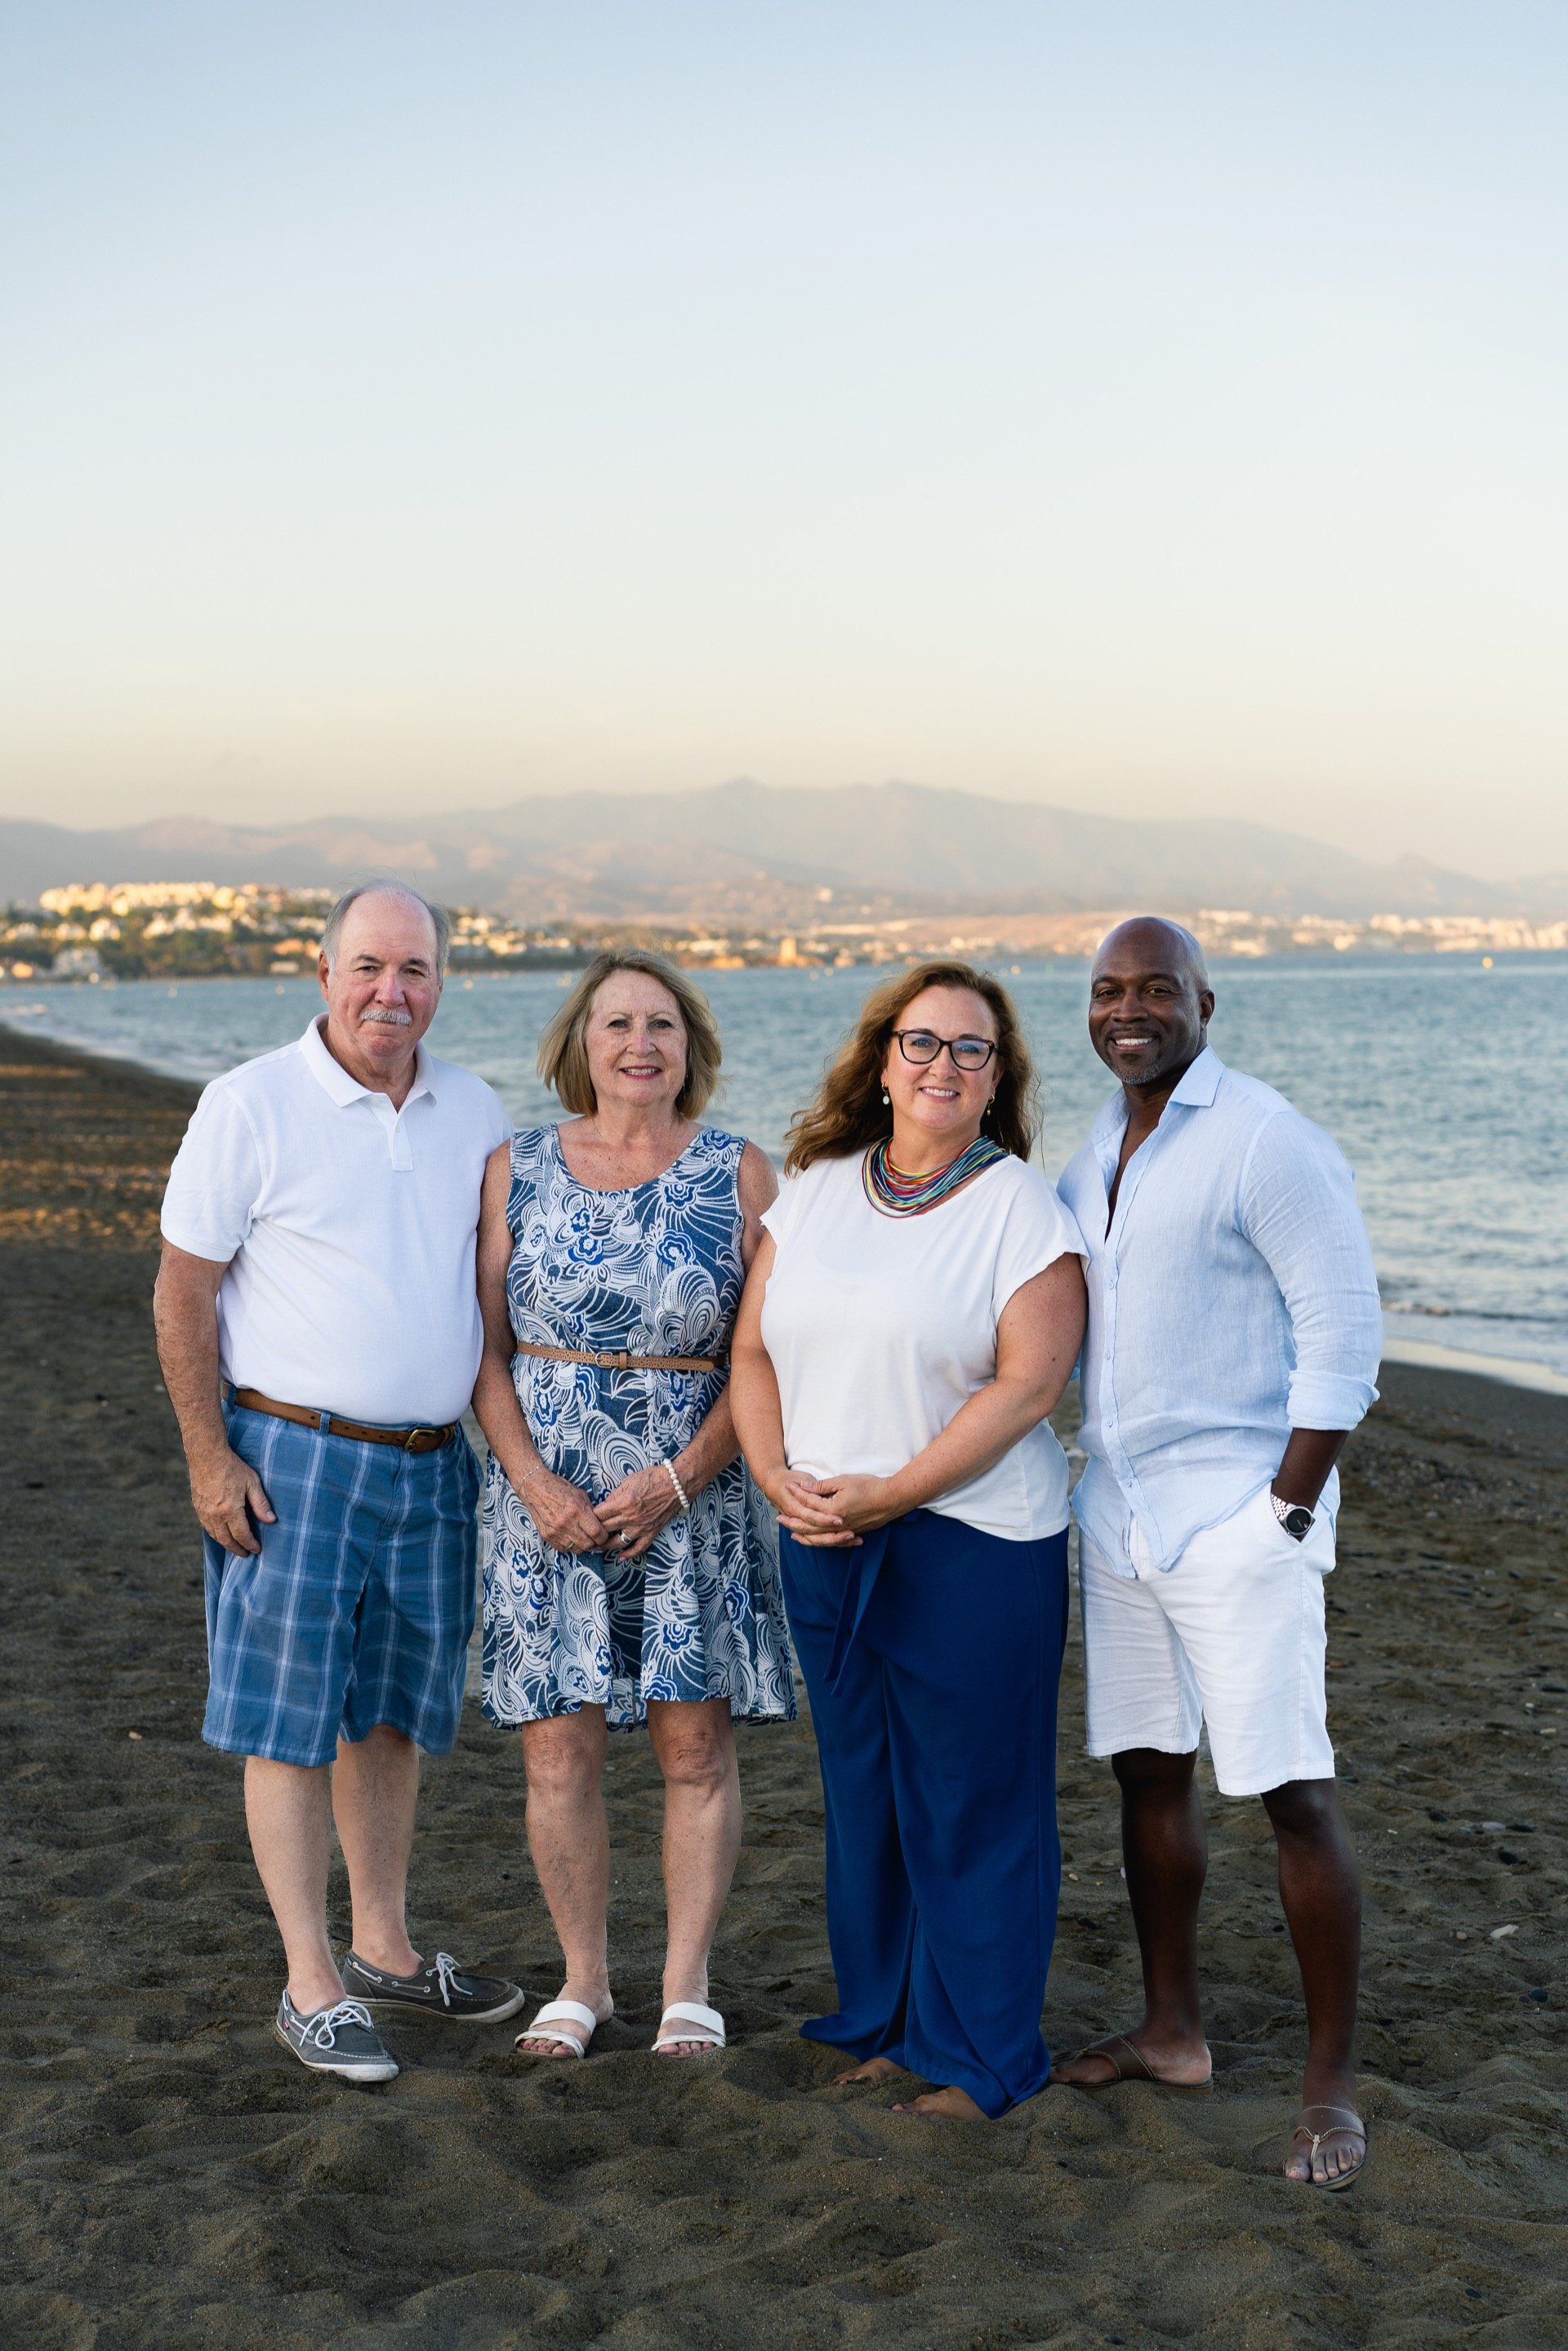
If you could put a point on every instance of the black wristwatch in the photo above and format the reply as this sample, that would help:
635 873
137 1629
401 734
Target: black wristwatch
1294 1517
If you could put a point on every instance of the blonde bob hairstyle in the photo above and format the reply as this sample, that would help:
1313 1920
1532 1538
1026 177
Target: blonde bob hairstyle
849 1112
563 1047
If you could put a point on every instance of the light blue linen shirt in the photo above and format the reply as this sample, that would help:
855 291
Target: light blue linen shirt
1233 1299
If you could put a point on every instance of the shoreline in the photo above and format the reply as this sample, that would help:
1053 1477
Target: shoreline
116 1065
1512 1371
1508 1371
1487 956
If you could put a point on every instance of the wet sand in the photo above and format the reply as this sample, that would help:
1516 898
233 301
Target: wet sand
172 2180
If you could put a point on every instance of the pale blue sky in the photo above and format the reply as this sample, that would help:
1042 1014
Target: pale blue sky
1136 406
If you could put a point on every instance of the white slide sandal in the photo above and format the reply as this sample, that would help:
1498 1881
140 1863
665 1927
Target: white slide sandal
708 2020
567 2012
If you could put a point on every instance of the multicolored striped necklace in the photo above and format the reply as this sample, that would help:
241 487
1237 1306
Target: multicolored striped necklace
894 1194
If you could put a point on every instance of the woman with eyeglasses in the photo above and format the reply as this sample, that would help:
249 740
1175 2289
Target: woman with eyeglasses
913 1313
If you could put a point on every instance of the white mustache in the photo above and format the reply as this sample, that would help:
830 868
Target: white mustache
389 1020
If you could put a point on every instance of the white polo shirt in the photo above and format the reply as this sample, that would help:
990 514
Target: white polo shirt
348 1228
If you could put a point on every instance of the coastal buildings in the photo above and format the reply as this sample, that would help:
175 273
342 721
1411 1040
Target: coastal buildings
109 931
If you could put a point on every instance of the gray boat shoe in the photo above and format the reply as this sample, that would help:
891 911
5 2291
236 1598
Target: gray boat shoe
440 1988
338 2039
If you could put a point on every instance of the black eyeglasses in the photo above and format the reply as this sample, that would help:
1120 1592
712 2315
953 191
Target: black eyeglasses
922 1047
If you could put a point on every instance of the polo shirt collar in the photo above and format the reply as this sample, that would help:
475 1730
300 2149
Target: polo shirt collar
334 1080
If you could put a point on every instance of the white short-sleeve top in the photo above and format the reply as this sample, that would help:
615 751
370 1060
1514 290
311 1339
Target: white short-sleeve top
347 1227
881 1328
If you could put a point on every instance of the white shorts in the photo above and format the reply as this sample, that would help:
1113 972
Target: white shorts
1232 1635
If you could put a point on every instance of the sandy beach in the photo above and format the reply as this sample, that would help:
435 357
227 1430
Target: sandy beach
172 2179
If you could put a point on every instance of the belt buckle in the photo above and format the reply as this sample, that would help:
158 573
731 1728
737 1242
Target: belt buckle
408 1442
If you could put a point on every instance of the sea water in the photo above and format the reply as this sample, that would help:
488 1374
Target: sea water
1437 1076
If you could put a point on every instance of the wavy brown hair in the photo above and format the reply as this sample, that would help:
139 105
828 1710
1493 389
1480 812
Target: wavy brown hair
563 1045
849 1112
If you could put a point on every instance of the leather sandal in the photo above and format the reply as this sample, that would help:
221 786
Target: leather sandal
1128 2064
1352 2126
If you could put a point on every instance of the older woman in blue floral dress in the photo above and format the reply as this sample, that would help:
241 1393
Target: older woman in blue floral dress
630 1562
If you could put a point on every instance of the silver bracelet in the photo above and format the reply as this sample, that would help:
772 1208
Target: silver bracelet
684 1498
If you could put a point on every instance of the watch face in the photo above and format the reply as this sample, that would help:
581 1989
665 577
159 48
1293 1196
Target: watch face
1297 1522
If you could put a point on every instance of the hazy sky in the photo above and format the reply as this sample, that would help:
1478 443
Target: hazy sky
1146 407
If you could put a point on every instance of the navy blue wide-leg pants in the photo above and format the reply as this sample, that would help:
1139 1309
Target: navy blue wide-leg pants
932 1654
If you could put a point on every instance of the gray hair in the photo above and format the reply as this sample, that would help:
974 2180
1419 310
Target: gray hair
441 921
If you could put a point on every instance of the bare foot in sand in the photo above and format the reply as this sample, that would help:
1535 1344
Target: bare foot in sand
949 2105
875 2069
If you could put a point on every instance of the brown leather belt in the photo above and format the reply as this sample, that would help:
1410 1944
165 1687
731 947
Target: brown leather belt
623 1362
332 1424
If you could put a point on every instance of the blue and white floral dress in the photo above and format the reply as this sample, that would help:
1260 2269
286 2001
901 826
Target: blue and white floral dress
652 1271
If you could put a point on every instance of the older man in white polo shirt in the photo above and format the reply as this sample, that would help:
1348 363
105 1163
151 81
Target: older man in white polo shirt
1234 1337
319 1332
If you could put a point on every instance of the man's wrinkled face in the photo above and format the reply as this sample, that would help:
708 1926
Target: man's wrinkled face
1149 1003
384 985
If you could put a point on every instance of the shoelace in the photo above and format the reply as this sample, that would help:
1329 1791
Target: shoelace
446 1976
323 2028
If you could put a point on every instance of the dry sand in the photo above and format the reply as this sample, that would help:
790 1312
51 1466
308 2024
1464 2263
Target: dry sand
172 2179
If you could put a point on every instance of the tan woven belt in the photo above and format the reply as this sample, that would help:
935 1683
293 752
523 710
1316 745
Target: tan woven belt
623 1362
330 1424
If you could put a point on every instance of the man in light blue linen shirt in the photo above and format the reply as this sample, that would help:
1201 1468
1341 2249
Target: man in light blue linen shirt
1234 1338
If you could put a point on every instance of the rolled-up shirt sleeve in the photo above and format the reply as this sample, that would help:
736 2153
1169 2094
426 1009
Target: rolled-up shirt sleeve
214 1182
1298 1210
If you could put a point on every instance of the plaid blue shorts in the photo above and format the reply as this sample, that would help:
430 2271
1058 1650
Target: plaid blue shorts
359 1607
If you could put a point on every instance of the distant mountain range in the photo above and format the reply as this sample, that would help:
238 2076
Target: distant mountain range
752 852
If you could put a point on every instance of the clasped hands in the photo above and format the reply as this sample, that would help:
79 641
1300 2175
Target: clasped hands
624 1524
826 1512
